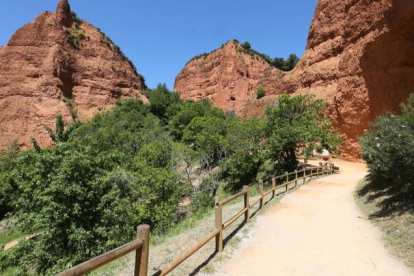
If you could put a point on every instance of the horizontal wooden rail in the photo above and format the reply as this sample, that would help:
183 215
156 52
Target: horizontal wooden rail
255 202
292 173
233 219
268 192
231 198
188 253
140 245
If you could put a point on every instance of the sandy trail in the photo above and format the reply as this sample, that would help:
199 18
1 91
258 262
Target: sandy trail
317 230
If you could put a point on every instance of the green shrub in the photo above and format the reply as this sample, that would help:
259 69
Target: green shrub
73 36
77 20
389 150
73 40
246 45
81 34
260 93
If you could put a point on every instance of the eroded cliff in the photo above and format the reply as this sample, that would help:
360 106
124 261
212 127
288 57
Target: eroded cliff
228 76
359 58
59 64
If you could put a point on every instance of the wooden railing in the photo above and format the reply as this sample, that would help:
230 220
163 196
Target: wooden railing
140 246
290 182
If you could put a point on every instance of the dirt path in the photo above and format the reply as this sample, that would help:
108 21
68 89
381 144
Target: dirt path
15 242
318 230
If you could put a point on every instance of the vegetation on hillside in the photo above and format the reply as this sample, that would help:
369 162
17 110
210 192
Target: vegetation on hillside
260 93
278 62
139 163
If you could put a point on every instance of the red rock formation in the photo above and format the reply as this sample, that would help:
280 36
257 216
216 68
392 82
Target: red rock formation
227 76
359 58
54 65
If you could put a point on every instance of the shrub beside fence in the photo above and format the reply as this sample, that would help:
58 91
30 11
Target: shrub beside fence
140 246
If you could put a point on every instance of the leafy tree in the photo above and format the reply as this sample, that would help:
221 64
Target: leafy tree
161 190
160 101
285 65
291 62
296 125
36 146
68 196
184 161
60 135
7 190
246 139
207 135
182 114
246 45
278 62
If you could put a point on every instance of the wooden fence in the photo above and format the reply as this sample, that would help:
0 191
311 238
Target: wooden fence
140 246
286 181
289 181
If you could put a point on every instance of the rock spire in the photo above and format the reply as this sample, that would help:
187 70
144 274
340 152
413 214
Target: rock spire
64 14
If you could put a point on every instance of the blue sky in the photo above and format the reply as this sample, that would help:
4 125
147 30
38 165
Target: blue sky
160 36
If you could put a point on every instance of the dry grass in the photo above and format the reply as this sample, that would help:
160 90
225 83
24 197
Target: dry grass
398 227
203 261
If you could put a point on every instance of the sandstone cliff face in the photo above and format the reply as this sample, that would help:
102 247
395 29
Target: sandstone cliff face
57 65
359 58
228 76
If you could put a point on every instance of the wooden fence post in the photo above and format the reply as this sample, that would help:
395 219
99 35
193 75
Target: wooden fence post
305 175
261 193
296 178
219 227
246 203
273 187
142 254
287 180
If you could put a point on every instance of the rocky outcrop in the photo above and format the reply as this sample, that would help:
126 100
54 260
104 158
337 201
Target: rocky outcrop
228 76
359 58
59 64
